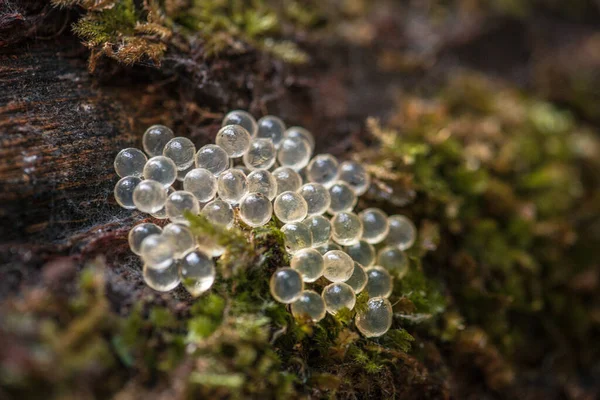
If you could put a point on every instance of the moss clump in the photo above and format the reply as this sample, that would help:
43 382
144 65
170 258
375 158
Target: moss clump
134 33
503 193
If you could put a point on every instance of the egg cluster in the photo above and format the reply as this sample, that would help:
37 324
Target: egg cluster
257 169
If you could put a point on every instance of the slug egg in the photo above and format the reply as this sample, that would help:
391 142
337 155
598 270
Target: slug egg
358 280
286 285
255 209
375 225
130 162
182 238
271 127
260 155
242 118
161 169
232 186
297 237
356 176
197 272
157 251
180 202
212 158
320 227
262 181
309 263
309 304
301 133
181 150
149 196
376 319
124 190
337 296
162 280
343 198
338 266
287 179
323 169
201 183
394 260
140 232
219 212
290 207
155 138
380 282
294 153
234 139
402 232
346 228
362 252
317 197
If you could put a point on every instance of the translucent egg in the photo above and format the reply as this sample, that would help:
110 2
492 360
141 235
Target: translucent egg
376 319
219 212
338 266
320 227
346 228
317 198
300 132
380 282
180 202
182 237
362 252
356 176
323 169
394 260
212 158
342 196
297 237
232 186
310 304
140 232
197 272
157 251
181 174
309 263
155 138
181 150
402 232
359 278
271 127
287 179
242 118
162 280
234 139
337 296
290 207
328 247
286 285
294 153
161 169
149 196
256 209
124 190
260 155
262 181
375 225
162 213
201 183
130 162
